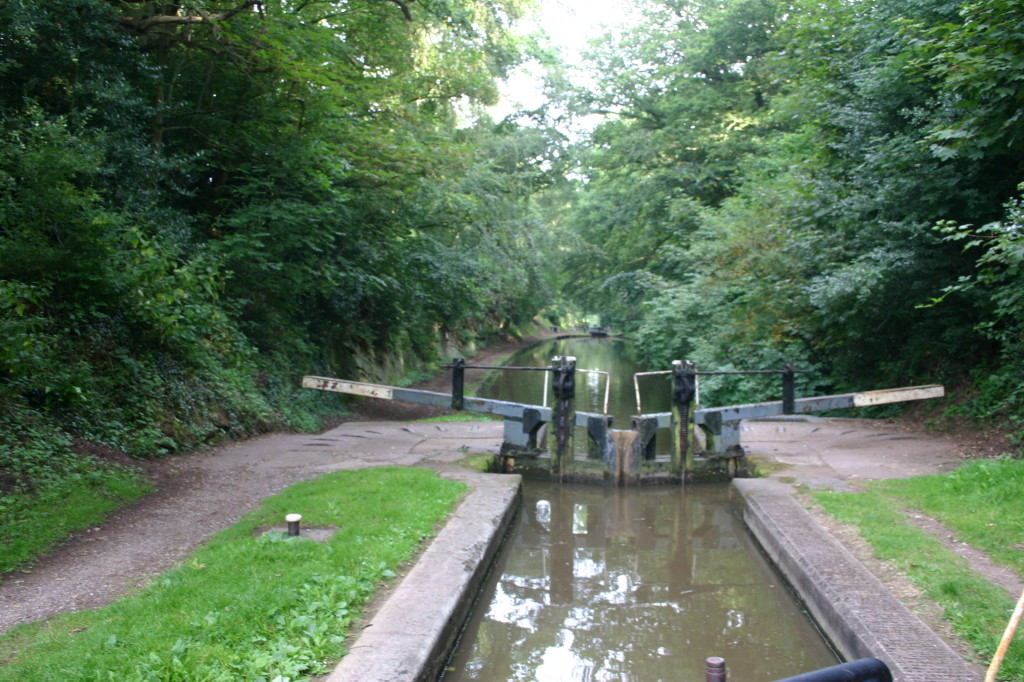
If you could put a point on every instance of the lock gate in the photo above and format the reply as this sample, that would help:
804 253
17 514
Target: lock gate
539 440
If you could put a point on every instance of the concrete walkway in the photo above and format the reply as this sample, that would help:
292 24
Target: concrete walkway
217 488
858 613
834 453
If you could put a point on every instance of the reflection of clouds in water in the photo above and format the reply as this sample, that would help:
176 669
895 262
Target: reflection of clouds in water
579 519
505 608
623 584
587 567
734 620
579 617
559 663
543 510
620 592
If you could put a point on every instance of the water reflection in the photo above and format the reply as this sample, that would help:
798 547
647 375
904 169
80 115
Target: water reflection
615 356
619 584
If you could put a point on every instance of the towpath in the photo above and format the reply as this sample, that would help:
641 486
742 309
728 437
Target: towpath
839 454
203 492
206 492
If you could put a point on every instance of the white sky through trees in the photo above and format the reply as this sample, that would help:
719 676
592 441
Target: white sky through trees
569 25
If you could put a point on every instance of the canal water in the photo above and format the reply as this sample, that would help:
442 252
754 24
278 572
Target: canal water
614 356
630 584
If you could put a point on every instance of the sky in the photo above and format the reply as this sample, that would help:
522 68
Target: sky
570 25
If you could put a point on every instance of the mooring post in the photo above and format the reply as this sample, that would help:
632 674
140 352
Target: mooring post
458 382
788 389
714 669
684 389
564 386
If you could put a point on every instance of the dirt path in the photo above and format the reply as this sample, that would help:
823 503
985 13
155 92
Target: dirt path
199 494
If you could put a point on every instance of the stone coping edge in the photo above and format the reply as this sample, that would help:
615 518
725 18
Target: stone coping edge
852 607
411 636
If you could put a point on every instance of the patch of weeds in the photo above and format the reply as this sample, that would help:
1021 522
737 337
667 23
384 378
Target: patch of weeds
760 467
482 462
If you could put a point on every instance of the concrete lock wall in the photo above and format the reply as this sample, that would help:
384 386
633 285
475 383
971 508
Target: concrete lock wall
411 636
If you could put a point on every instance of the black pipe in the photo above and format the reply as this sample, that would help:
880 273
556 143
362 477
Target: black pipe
863 670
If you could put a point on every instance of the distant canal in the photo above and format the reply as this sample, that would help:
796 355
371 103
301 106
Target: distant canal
628 584
611 355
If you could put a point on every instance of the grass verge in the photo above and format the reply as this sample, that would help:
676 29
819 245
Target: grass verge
32 523
248 605
980 501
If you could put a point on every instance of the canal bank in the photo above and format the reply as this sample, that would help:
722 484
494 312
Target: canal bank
816 453
411 635
858 614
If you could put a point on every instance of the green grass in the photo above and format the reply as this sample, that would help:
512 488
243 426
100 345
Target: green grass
250 606
32 523
981 502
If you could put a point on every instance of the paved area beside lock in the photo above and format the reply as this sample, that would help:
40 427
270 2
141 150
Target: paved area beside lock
209 491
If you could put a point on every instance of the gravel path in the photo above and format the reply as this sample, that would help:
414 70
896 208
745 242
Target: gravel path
210 491
201 493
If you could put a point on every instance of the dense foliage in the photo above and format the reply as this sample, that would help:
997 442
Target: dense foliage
201 202
796 181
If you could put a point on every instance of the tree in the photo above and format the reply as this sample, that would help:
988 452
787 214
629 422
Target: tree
687 97
768 182
978 61
203 200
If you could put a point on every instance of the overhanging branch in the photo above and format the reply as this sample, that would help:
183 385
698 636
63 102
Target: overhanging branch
143 25
404 7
